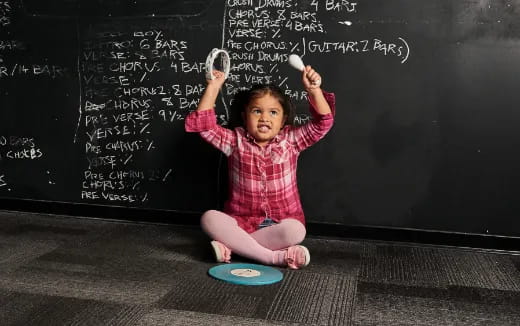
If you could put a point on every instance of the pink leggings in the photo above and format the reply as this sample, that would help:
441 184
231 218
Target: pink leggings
264 245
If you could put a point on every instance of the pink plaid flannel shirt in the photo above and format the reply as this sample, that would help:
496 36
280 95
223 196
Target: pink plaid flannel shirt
262 180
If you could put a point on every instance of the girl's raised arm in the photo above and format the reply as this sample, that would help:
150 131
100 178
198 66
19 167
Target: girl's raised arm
208 99
322 110
312 82
203 120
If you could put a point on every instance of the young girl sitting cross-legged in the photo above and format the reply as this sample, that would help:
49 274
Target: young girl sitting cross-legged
263 218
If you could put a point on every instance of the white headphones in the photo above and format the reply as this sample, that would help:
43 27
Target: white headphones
225 62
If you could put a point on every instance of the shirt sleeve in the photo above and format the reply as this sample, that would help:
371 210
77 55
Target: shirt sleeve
205 123
306 135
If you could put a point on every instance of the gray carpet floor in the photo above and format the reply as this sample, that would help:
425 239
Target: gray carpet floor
58 270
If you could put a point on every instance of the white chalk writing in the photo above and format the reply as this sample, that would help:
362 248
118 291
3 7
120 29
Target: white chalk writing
5 13
19 148
125 102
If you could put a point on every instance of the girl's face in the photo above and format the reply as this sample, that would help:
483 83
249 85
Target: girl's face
264 117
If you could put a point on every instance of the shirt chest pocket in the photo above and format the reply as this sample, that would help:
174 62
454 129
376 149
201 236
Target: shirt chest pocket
280 155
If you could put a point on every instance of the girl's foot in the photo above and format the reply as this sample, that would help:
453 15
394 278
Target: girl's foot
297 257
222 253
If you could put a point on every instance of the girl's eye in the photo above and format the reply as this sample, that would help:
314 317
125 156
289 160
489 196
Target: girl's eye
256 111
274 113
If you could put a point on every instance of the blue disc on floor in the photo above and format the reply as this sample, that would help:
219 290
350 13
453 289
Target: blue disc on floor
246 274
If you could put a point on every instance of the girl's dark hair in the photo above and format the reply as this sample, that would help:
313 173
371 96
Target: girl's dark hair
243 97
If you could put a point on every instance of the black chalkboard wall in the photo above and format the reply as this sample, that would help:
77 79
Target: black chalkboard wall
93 95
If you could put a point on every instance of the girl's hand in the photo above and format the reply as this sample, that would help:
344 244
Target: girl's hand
311 79
207 101
218 80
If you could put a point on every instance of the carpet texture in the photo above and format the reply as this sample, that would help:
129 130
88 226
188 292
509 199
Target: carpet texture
58 270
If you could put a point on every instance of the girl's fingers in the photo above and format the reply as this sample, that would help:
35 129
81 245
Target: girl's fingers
218 79
308 78
312 75
311 78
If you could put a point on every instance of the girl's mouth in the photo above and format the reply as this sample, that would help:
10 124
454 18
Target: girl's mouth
264 128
